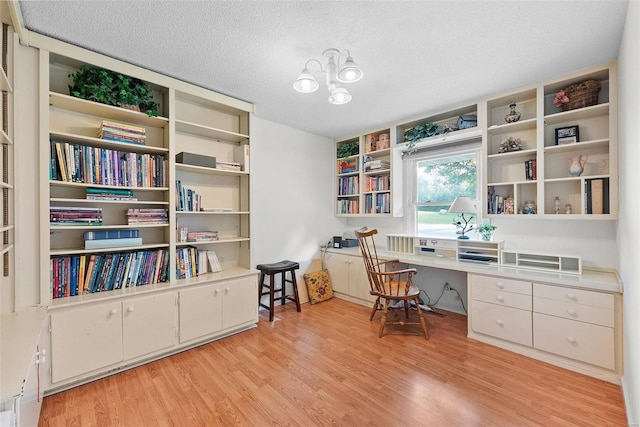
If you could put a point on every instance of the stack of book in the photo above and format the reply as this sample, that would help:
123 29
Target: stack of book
376 165
187 200
228 166
112 194
202 236
378 183
111 239
348 167
531 170
71 215
122 132
147 216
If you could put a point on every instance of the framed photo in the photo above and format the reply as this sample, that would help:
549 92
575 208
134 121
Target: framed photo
567 135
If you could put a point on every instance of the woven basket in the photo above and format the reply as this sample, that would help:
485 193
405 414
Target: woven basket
581 95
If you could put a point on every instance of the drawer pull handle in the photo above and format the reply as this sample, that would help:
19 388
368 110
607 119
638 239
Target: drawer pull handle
571 312
130 309
500 285
572 340
500 322
217 291
571 296
433 241
113 311
500 298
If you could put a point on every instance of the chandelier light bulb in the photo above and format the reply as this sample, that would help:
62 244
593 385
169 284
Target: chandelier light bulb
305 82
339 96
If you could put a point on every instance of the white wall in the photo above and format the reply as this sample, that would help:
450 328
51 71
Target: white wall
291 194
629 230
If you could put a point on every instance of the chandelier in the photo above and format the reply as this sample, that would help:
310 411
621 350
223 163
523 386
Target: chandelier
336 74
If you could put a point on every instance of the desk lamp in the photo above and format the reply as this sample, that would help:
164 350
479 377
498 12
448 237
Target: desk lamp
463 205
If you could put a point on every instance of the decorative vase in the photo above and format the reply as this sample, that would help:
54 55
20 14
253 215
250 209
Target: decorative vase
486 235
513 115
576 165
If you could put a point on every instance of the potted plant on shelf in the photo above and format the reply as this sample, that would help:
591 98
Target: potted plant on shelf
111 88
486 231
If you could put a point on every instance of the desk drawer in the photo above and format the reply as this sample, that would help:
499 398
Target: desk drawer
506 323
499 297
583 313
577 340
576 296
497 283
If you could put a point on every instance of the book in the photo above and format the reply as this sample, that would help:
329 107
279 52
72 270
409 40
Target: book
112 243
213 262
241 156
111 234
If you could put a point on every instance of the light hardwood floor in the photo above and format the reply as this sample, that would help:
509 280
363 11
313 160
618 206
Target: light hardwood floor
327 366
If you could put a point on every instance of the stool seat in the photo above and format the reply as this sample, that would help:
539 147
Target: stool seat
272 270
278 267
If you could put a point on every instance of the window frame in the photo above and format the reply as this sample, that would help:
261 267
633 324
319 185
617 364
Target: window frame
409 171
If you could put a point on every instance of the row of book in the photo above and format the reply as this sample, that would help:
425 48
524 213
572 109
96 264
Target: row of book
187 200
377 203
122 132
111 194
103 239
190 262
82 274
348 185
202 236
348 206
73 215
531 170
95 165
228 166
596 192
378 183
147 216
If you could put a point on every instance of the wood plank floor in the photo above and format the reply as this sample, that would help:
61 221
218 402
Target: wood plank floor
326 366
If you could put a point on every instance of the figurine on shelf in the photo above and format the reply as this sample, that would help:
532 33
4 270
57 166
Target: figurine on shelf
576 165
567 208
556 205
513 115
510 144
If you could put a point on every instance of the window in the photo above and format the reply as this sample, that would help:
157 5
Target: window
436 178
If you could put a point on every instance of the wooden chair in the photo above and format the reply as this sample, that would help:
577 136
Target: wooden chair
387 284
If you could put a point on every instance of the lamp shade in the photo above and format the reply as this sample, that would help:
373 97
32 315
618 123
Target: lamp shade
305 82
349 72
339 95
462 204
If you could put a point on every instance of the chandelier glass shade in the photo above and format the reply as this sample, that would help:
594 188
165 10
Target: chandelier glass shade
335 74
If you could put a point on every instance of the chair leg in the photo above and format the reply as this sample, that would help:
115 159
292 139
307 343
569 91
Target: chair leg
423 323
384 317
295 289
375 308
271 295
283 289
260 286
406 308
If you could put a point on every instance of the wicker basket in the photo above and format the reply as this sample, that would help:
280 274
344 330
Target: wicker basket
581 95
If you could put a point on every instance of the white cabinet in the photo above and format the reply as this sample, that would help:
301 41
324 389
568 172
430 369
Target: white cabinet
85 339
501 308
575 323
92 337
149 324
574 328
349 277
214 308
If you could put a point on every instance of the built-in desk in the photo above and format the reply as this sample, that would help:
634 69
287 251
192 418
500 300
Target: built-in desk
570 320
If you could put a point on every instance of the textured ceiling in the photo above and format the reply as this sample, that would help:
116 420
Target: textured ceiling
417 56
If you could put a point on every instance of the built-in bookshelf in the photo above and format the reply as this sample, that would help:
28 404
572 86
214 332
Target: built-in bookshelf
533 175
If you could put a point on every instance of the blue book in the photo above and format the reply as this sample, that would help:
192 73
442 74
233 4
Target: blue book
108 285
96 273
112 243
110 234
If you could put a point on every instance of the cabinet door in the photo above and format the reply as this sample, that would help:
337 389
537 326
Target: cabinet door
338 266
149 324
85 339
200 311
358 281
239 302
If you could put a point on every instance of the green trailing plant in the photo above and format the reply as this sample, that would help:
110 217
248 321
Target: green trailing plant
346 149
111 88
486 231
418 132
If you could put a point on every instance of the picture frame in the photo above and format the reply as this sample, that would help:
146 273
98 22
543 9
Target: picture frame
567 135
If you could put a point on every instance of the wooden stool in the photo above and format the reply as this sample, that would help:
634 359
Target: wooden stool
281 267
